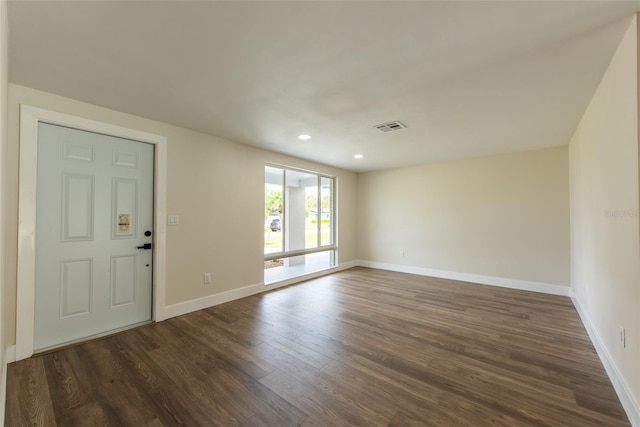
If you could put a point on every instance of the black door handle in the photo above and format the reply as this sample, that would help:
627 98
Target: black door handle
145 246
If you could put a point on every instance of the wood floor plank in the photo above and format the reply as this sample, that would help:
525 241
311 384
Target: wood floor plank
320 403
172 407
113 387
359 347
92 414
68 389
232 381
190 379
29 401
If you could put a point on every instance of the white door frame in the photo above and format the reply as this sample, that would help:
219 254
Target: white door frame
25 304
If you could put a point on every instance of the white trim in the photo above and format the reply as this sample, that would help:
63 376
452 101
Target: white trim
4 198
347 265
29 119
210 300
3 384
160 225
524 285
630 405
9 357
220 298
10 354
314 275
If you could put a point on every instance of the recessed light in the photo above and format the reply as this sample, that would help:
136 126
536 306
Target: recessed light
358 156
304 136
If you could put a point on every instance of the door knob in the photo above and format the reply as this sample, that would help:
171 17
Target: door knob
145 246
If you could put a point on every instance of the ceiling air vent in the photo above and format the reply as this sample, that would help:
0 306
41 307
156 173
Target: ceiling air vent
390 126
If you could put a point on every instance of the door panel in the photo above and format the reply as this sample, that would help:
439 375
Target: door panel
94 202
75 287
77 207
123 280
123 208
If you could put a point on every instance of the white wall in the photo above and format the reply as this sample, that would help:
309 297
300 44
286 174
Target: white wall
504 217
498 217
605 232
215 185
3 193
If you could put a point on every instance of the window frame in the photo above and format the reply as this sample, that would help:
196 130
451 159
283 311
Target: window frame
333 209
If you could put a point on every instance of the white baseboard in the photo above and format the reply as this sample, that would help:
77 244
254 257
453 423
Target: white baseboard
3 391
10 355
524 285
234 294
629 403
210 300
347 265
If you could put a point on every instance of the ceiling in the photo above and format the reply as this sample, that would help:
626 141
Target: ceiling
468 79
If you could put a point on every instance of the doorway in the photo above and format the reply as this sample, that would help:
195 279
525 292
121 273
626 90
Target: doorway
119 273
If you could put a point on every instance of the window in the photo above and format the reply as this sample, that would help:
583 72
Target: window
299 230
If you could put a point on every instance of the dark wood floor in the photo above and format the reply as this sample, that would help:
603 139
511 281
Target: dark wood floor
362 347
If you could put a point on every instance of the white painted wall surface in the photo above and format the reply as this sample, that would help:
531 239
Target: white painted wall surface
215 185
605 233
4 29
500 217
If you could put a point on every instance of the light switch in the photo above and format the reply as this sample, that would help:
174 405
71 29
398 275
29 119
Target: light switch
173 220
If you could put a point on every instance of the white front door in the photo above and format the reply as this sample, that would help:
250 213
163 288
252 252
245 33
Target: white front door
94 215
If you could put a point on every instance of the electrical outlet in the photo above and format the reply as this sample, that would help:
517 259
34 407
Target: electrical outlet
206 279
622 335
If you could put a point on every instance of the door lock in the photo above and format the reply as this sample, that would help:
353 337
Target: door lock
145 246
